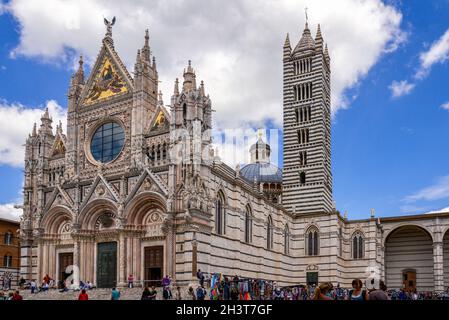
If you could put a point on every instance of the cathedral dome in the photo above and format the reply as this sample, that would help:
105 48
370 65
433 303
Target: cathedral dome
262 172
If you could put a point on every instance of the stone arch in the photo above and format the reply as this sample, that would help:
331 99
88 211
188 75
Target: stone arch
445 241
54 218
88 217
138 209
406 224
408 247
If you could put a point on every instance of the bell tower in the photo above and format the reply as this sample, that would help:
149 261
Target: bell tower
307 175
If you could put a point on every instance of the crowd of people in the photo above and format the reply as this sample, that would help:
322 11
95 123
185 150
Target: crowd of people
219 287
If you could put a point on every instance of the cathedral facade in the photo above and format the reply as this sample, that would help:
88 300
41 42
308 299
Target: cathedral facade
133 187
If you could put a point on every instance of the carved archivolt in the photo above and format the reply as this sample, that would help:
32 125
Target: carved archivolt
105 221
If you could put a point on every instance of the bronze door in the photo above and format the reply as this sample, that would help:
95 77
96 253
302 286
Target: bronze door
154 265
65 260
107 265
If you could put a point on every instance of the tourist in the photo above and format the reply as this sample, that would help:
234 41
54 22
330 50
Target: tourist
22 282
83 295
130 281
10 296
200 293
33 286
322 291
153 294
166 293
115 294
44 287
277 294
2 296
63 287
190 294
357 293
200 276
226 289
379 293
234 292
145 294
246 295
16 296
178 295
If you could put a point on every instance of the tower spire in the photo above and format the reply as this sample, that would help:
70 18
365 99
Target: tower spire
319 39
176 90
146 52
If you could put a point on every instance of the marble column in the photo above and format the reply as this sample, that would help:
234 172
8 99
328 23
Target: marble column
122 261
76 263
438 275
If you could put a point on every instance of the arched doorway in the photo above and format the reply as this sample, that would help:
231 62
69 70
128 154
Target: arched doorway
409 259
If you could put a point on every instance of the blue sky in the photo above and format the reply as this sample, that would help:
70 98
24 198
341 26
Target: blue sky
389 152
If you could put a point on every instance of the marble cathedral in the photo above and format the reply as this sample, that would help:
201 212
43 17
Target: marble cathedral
107 198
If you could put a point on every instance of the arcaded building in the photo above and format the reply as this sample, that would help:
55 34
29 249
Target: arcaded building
132 186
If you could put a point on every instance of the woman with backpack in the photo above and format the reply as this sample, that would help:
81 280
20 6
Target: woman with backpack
357 293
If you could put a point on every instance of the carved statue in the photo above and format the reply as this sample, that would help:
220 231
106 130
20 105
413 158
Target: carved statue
109 26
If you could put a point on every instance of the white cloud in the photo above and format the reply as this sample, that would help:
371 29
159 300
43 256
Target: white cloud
437 53
235 47
7 211
439 211
445 106
439 190
401 88
16 122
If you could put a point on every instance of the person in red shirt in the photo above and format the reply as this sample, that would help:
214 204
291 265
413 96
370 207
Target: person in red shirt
17 296
83 295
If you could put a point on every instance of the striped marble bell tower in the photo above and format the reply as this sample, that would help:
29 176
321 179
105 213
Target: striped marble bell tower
307 176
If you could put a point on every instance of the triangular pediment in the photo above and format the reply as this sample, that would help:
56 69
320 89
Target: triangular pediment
160 120
58 148
59 198
100 188
148 181
108 78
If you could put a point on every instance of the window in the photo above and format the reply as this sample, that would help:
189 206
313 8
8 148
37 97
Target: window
220 222
8 238
184 113
286 240
358 250
270 233
7 261
248 225
107 142
340 242
303 136
302 178
303 158
312 242
303 91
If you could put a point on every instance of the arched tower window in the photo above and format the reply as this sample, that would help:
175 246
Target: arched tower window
8 238
358 246
220 216
248 225
286 240
270 233
312 241
184 113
